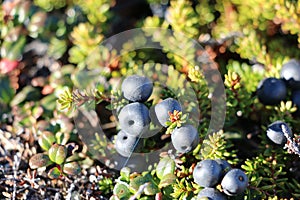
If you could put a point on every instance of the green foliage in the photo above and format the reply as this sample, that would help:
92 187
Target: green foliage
106 185
251 76
288 13
13 49
284 111
205 12
239 99
175 121
172 177
85 39
183 18
65 99
97 11
215 146
184 189
267 174
147 184
58 153
246 40
46 140
70 100
165 172
39 160
7 92
50 5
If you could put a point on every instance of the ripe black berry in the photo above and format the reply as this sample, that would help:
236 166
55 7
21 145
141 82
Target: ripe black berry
276 134
290 72
207 173
234 182
271 91
137 88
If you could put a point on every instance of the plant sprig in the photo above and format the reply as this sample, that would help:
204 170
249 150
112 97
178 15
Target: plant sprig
76 98
176 120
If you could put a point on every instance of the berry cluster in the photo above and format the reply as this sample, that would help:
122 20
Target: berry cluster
280 133
135 118
272 91
209 173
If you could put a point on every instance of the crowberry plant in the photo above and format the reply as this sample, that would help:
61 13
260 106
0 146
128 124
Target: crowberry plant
105 99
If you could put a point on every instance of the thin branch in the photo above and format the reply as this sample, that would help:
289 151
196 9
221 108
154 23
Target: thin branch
291 145
140 191
16 165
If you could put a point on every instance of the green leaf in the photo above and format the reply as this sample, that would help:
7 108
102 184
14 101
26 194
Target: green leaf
137 182
28 93
6 92
151 189
267 187
71 168
57 153
114 197
168 123
49 102
54 173
39 160
146 198
122 191
57 48
65 99
125 174
76 55
46 140
17 48
167 180
164 167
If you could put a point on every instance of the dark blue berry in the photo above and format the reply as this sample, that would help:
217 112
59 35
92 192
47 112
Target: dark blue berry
291 73
153 117
125 144
134 119
207 173
296 100
185 138
271 91
137 88
224 165
276 134
234 182
163 108
211 194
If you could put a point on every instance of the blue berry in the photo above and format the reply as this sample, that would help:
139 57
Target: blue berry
291 73
211 194
163 108
296 100
137 88
271 91
185 138
134 119
225 166
153 117
276 134
207 173
234 182
125 144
